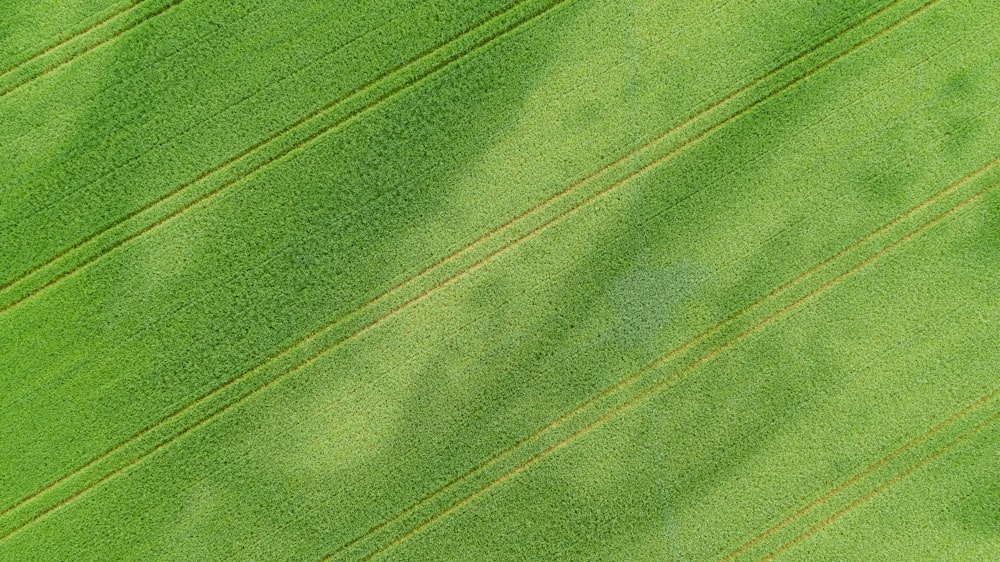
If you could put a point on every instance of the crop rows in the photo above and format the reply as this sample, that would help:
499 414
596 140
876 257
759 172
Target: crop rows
457 282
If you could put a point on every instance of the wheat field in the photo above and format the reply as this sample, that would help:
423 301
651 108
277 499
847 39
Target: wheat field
499 280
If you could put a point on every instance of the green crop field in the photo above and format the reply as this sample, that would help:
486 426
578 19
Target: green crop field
499 280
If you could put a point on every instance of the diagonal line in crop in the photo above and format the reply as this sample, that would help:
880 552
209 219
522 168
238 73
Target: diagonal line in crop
422 295
270 359
861 474
716 328
395 287
540 206
157 61
301 341
476 265
70 249
82 32
118 222
625 382
895 479
705 358
789 284
159 11
173 139
229 162
281 154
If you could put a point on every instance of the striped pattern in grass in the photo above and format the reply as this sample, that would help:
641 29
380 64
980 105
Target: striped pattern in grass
81 43
562 265
505 245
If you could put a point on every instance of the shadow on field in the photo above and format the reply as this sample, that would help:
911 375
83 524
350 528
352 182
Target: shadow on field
618 302
626 295
311 464
348 214
405 155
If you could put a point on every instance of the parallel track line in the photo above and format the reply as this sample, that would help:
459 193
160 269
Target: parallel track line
707 357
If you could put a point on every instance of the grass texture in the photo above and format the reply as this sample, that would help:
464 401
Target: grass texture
499 280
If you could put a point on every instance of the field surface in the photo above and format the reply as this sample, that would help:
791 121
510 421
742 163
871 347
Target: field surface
499 280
